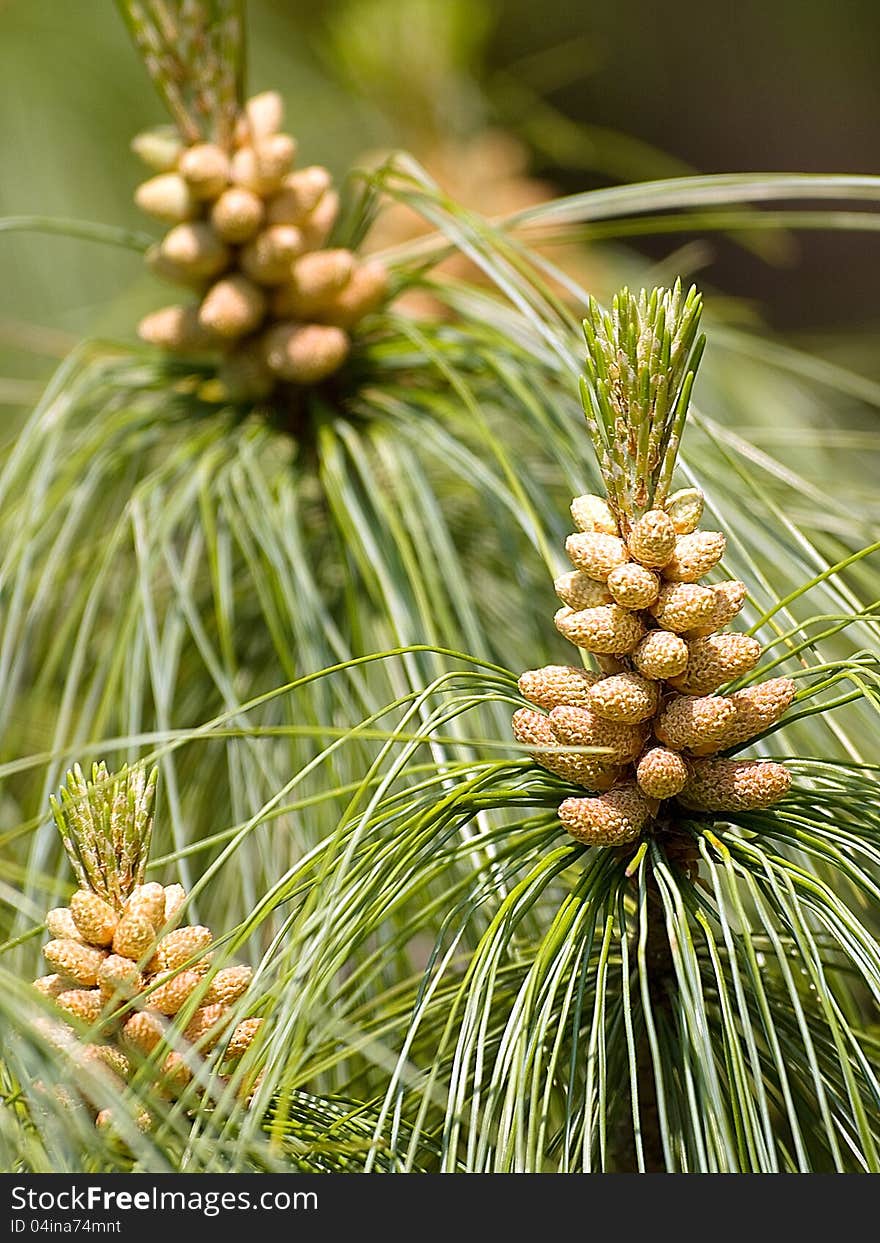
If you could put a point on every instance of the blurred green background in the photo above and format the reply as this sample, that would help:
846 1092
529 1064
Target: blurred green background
596 92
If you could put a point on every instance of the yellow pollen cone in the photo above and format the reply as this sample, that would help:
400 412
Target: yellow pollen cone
78 962
205 169
595 554
661 773
682 606
626 697
611 819
237 215
579 591
633 586
593 513
717 659
652 539
305 354
735 785
557 684
582 727
685 508
661 654
693 720
694 556
299 195
607 630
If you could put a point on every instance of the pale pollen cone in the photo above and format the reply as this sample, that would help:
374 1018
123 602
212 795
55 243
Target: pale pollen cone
596 554
305 354
593 513
579 591
661 654
685 508
626 697
694 556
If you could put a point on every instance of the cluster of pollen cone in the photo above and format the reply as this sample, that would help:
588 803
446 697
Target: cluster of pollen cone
635 601
135 961
131 983
247 234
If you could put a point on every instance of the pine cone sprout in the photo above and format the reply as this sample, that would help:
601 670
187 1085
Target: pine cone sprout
248 235
652 720
135 991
